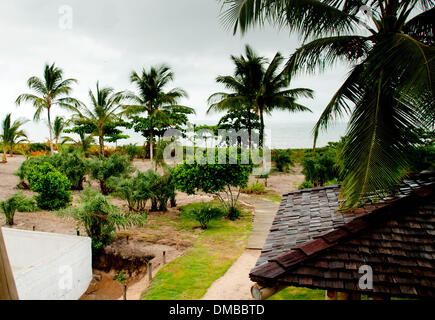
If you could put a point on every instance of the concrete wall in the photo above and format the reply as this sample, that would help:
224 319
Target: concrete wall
48 266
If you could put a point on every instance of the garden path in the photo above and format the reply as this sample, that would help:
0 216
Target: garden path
235 283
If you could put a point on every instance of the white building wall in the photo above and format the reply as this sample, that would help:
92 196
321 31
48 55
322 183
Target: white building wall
48 266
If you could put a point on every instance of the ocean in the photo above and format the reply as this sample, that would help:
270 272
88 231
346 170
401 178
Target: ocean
282 135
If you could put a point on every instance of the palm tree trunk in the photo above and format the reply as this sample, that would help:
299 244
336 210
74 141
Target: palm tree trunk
249 130
50 128
5 159
101 140
151 140
261 127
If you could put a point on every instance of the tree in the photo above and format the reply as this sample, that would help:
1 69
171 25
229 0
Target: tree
152 98
59 126
217 179
258 87
105 108
50 91
11 134
389 92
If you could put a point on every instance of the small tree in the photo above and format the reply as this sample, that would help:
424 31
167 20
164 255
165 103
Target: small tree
217 179
100 218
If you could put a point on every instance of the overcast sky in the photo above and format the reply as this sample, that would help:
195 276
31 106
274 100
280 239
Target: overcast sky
109 39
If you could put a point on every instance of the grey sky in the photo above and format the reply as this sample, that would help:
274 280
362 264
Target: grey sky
111 38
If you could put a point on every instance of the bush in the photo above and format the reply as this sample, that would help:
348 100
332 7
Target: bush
234 213
255 188
282 159
132 151
136 191
206 213
320 167
70 164
306 185
102 169
51 185
100 218
163 190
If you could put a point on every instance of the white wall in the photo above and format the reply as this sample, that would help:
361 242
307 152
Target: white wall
48 266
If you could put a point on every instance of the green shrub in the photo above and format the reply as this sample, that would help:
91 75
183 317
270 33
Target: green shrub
282 159
117 166
35 147
255 188
233 213
163 190
51 185
132 151
136 191
100 218
8 208
320 167
306 185
206 213
70 164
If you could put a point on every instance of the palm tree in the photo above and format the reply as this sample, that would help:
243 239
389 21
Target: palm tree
59 126
389 92
50 91
84 142
244 85
259 87
105 108
152 98
11 134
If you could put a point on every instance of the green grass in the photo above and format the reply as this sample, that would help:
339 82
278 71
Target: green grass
272 197
294 293
215 250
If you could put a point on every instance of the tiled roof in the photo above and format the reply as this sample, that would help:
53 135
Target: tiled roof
395 237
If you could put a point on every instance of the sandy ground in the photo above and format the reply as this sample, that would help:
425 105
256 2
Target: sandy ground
235 284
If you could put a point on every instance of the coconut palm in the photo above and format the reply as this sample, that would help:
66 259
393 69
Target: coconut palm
59 125
105 107
389 92
151 97
50 91
84 142
258 86
244 85
12 134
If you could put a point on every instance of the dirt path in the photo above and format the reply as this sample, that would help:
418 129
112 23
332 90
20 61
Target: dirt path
235 283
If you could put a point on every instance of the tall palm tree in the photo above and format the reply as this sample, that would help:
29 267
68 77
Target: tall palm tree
12 134
50 91
152 98
105 107
259 86
389 92
59 126
244 85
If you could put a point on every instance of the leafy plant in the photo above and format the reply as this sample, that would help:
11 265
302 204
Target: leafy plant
102 169
282 159
306 185
320 167
206 213
18 202
255 188
132 151
100 218
136 191
52 187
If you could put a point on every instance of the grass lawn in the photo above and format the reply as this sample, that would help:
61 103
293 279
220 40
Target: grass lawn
294 293
215 250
